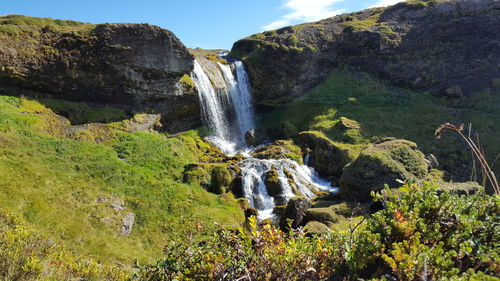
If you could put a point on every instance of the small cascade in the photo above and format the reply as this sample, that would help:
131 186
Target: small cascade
219 107
294 179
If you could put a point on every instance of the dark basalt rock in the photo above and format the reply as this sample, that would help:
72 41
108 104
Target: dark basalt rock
132 66
296 211
450 48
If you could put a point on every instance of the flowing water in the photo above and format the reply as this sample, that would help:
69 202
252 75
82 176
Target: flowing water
294 179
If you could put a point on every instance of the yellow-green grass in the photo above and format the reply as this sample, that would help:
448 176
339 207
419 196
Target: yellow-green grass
59 184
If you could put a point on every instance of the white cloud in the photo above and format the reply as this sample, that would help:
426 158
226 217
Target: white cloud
305 10
385 3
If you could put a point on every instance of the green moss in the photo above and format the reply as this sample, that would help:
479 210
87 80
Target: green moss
366 23
280 149
187 81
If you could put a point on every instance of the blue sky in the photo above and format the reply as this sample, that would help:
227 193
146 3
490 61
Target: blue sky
206 24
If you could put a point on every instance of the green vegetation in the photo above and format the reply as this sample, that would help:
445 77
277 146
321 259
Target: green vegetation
78 192
382 111
422 233
26 254
366 23
209 54
16 24
81 113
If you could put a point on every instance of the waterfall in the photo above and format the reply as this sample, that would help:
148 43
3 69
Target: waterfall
240 95
213 110
218 106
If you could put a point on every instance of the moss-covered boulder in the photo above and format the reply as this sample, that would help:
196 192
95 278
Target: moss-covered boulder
327 156
280 149
324 215
216 178
314 227
382 163
272 183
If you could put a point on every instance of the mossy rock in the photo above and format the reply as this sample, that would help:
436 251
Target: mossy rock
323 215
382 163
272 182
314 227
328 157
280 149
216 178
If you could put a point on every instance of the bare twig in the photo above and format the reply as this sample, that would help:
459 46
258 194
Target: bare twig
476 150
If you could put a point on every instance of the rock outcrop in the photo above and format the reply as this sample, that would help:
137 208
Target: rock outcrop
132 66
451 48
327 156
388 163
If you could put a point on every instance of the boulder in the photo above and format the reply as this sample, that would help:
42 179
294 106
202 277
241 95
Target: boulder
251 138
127 224
314 227
388 163
323 215
327 156
272 183
280 149
295 211
214 177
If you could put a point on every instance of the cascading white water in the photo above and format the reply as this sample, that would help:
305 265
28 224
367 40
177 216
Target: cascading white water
240 94
305 180
212 108
294 179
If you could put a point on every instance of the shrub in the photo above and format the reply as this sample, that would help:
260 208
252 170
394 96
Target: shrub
422 233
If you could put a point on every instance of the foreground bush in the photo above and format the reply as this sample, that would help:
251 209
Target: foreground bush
27 255
421 234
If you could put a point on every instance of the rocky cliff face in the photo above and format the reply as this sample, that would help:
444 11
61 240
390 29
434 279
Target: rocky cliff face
133 66
451 48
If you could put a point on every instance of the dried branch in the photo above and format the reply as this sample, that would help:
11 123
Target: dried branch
477 150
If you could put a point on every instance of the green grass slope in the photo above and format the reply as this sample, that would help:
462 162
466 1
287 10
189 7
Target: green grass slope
385 111
66 188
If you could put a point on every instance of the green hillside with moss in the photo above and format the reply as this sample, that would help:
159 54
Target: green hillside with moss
377 110
78 191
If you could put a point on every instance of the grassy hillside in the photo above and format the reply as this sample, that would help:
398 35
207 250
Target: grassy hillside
385 111
67 188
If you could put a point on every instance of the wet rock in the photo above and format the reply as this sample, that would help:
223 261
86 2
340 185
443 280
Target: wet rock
251 138
383 163
251 212
295 211
127 224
